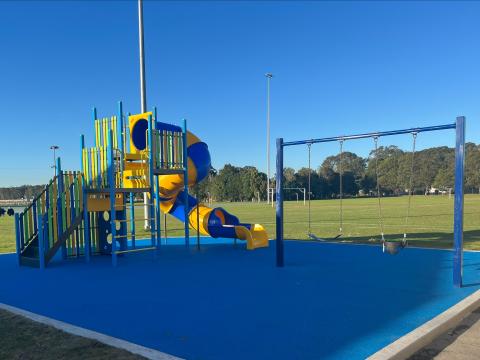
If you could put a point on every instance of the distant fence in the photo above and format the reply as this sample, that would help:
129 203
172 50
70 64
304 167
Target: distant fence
15 202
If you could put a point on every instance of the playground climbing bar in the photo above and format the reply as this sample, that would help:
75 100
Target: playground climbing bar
459 127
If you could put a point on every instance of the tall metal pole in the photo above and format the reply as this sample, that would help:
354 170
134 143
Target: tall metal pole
269 77
143 96
143 92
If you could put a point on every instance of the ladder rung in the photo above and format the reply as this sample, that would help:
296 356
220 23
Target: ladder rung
135 250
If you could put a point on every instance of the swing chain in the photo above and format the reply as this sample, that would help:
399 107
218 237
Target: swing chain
410 188
340 170
380 214
309 189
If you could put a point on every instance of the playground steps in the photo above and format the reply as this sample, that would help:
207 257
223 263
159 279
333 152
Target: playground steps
30 256
51 221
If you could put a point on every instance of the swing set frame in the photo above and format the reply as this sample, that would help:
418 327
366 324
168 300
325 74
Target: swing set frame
458 126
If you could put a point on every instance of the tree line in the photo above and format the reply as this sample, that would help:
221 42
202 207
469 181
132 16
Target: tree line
432 168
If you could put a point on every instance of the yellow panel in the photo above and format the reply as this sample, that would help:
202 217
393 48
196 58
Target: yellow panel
105 132
94 204
132 120
67 206
115 132
97 133
93 154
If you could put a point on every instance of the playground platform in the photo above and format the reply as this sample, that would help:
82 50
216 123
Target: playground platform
330 301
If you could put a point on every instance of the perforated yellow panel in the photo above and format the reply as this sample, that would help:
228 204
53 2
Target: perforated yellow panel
138 125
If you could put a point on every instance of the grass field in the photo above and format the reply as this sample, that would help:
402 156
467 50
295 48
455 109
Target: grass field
430 223
24 339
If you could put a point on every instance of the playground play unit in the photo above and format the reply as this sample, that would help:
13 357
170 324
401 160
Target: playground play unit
92 211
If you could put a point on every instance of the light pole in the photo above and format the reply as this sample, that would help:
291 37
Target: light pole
54 166
143 94
143 87
269 77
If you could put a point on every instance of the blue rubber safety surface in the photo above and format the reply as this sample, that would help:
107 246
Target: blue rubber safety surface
330 301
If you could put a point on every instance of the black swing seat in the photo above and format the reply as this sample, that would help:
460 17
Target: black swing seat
393 247
316 238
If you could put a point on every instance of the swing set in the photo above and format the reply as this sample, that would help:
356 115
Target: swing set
391 246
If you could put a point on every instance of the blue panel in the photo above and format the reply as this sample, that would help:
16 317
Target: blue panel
458 211
200 156
167 127
138 134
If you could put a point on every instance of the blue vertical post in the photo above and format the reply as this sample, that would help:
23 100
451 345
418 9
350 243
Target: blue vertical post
185 181
86 220
60 206
279 206
111 186
34 209
157 188
47 207
17 238
41 242
132 218
458 207
151 178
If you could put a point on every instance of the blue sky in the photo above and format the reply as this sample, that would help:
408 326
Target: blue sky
339 67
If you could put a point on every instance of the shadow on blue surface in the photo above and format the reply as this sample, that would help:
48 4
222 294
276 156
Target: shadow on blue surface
223 302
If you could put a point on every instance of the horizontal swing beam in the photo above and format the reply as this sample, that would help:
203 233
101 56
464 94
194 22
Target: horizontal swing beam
371 135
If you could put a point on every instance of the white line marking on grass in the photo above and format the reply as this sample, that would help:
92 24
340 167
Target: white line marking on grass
415 340
93 335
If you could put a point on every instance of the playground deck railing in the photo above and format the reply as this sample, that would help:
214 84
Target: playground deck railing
168 150
96 162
